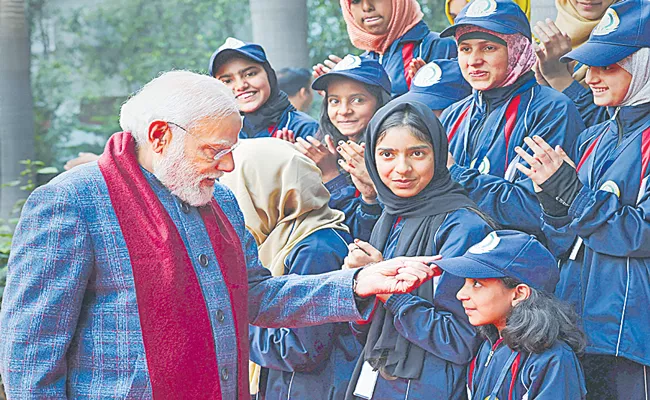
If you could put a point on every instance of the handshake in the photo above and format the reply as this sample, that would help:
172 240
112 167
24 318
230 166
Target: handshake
385 277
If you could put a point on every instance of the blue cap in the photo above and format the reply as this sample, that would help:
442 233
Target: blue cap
501 16
438 85
232 47
624 29
507 254
360 69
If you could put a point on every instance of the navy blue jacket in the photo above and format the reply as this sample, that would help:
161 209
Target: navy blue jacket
583 98
426 44
484 130
607 277
360 216
441 328
552 375
300 123
308 363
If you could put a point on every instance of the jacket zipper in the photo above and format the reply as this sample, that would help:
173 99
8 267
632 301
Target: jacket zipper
619 126
482 125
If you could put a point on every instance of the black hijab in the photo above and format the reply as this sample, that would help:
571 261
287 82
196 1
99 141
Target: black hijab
422 215
272 111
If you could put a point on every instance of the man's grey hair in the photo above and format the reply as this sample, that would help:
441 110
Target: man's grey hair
182 97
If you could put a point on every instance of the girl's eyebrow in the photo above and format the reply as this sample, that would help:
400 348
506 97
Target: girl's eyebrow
349 95
419 147
243 71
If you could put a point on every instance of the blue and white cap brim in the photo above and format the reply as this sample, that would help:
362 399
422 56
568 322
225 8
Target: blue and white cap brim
485 24
466 267
322 81
599 54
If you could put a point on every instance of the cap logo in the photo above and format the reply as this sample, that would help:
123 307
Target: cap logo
232 43
481 8
608 24
428 75
486 245
348 62
484 166
611 187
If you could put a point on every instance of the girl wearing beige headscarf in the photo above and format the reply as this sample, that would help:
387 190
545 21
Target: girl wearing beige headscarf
571 28
392 32
285 207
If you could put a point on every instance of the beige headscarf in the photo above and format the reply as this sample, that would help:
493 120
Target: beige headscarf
577 27
283 199
406 14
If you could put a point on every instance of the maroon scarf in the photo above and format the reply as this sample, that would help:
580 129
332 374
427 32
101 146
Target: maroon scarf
176 329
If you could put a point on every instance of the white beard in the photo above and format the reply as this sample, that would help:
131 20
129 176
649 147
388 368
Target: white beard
179 175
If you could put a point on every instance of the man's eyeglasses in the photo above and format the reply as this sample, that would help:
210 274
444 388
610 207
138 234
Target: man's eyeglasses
211 152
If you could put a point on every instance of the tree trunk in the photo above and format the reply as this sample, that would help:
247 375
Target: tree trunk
16 105
280 26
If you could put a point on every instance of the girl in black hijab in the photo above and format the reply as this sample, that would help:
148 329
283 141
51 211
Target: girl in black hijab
266 110
416 345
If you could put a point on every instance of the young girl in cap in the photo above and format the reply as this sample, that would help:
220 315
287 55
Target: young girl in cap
354 90
531 338
285 207
597 207
417 345
393 33
495 57
266 109
574 23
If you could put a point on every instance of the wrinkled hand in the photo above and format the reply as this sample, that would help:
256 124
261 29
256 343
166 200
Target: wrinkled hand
544 162
83 158
286 135
323 154
394 276
360 254
414 66
553 45
450 160
327 65
353 162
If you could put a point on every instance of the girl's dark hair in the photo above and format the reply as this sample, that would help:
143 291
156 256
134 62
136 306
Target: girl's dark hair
328 128
407 119
537 322
412 121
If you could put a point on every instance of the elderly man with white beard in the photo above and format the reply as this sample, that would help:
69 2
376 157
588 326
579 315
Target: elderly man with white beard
134 276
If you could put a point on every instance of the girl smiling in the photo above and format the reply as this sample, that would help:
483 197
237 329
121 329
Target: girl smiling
416 346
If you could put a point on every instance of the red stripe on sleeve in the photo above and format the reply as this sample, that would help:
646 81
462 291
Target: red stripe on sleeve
514 370
456 125
511 120
645 152
585 156
407 57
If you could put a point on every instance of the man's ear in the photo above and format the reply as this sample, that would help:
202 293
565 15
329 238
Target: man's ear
304 92
159 135
520 293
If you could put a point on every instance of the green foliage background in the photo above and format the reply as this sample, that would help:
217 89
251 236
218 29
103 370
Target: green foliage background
114 47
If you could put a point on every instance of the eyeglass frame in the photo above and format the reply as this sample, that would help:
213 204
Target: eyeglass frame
220 153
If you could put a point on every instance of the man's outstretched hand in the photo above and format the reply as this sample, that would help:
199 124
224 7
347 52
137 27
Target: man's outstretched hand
395 276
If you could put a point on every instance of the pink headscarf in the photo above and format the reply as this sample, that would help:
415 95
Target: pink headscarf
521 55
406 14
